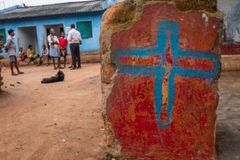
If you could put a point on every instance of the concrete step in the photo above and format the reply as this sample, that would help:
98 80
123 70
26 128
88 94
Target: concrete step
230 62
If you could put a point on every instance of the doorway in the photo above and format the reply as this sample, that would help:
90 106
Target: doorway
58 29
27 36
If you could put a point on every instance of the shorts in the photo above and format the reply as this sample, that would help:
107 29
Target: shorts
13 59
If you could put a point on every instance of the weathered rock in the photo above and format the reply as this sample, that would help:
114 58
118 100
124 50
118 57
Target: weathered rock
160 65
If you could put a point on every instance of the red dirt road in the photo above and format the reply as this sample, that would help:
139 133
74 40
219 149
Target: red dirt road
60 121
63 121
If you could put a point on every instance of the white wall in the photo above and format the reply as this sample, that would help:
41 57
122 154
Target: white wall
27 36
226 5
231 10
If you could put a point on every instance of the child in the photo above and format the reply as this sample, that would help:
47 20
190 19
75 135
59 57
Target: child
31 54
11 49
63 43
22 55
45 55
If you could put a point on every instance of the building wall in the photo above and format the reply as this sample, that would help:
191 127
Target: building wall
89 45
27 36
231 10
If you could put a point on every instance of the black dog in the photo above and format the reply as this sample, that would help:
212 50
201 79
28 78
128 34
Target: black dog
58 78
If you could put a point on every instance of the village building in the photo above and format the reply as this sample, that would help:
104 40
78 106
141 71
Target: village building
231 10
32 23
231 38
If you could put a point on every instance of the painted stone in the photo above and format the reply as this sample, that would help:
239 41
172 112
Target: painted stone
160 94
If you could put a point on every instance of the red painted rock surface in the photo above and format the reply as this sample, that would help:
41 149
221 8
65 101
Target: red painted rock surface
161 103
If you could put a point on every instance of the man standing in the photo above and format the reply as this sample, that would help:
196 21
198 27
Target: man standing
1 43
11 49
1 57
54 48
74 39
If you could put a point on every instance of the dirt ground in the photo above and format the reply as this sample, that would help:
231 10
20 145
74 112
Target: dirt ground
52 122
228 124
63 121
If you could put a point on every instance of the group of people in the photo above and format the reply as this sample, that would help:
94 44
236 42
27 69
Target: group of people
30 55
57 49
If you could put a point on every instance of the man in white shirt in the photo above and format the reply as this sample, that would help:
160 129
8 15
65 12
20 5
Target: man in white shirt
54 48
74 39
11 49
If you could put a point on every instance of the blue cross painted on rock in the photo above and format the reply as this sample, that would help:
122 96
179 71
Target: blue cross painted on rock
168 31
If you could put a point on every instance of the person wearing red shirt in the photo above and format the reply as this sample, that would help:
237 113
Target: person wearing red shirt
63 43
